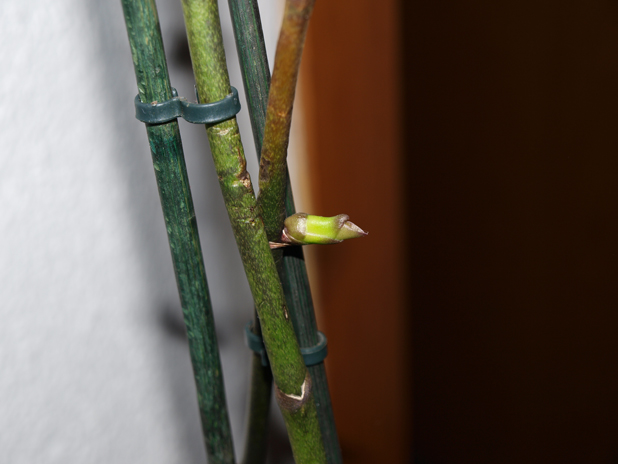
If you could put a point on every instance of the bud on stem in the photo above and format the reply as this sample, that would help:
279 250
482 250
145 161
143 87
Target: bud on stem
306 229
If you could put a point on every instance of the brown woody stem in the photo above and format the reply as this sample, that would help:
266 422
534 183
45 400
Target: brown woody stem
273 168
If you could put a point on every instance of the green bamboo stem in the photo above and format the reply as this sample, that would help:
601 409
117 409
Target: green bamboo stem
292 382
273 166
256 79
260 386
169 164
253 63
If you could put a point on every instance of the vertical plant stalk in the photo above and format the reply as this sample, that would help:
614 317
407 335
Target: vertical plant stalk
256 78
256 445
252 52
273 165
169 164
296 289
292 381
253 63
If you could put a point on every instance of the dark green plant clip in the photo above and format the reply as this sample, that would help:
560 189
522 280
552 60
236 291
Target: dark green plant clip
312 355
179 107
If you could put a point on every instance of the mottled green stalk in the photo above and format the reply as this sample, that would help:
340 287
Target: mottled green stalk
256 78
273 166
171 174
296 289
292 382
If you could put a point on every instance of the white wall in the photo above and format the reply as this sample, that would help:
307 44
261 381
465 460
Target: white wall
94 366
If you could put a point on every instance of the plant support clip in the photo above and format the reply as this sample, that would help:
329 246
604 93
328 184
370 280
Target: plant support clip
312 355
179 107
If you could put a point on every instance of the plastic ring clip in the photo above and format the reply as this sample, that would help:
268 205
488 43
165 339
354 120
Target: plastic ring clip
312 355
179 107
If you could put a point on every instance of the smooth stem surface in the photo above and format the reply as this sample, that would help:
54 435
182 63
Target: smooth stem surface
256 79
290 374
273 166
253 63
260 386
171 174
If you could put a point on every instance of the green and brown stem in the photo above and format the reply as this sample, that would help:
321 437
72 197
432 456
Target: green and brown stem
273 166
169 164
292 382
256 79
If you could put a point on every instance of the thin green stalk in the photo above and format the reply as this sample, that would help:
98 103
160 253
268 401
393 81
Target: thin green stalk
292 381
169 164
256 79
273 166
260 386
253 63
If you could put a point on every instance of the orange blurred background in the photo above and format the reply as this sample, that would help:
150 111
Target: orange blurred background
480 153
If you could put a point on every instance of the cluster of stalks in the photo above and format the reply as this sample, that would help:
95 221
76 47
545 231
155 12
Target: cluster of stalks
277 278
